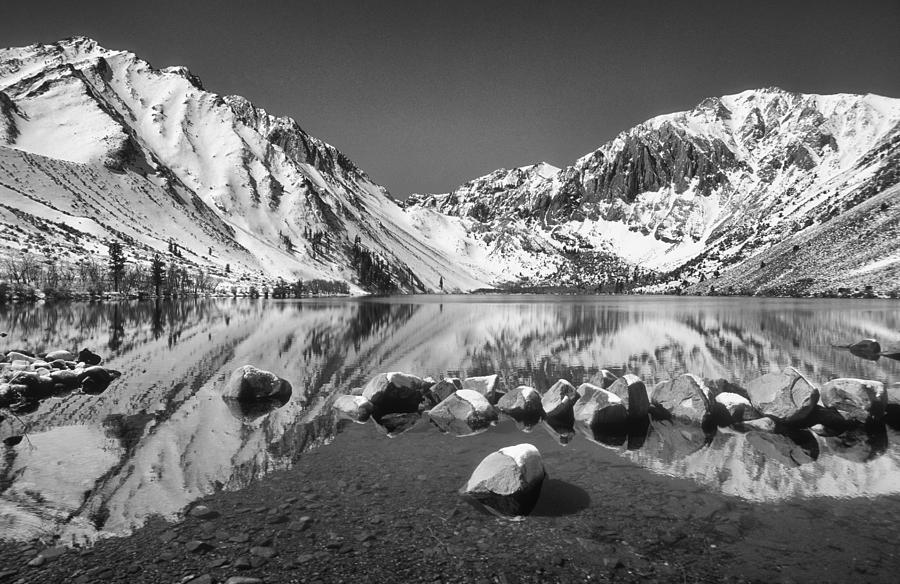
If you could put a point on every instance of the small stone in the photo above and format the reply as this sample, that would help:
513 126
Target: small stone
203 512
168 536
242 563
204 579
240 538
303 558
278 519
262 551
243 580
38 561
196 546
217 562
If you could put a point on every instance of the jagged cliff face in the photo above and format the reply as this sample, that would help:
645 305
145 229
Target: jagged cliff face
102 142
711 187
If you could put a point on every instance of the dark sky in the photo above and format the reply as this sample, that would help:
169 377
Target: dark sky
425 95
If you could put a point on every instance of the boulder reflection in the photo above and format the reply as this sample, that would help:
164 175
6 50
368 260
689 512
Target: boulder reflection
161 436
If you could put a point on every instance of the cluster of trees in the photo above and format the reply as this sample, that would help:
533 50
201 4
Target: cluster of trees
26 274
372 270
315 287
318 240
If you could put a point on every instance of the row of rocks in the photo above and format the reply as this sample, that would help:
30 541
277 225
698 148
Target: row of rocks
786 398
27 379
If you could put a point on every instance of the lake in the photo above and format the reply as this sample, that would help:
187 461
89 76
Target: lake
160 437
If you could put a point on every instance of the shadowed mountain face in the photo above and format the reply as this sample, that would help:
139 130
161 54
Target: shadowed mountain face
161 436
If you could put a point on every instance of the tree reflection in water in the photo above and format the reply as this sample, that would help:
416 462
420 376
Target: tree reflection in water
162 436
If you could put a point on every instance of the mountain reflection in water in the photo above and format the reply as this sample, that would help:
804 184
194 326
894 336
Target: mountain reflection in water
161 436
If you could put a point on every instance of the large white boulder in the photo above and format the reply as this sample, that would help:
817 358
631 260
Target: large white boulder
508 481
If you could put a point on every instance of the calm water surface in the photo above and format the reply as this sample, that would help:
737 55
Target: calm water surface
161 436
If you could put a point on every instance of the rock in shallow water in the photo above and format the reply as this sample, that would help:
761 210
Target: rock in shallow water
508 481
685 398
599 409
857 401
634 395
559 400
522 403
486 385
395 393
786 396
735 408
249 384
465 411
353 407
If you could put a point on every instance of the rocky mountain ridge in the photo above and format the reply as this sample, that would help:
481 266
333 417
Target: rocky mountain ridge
99 145
696 193
774 186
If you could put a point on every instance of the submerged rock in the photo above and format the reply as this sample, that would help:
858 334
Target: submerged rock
559 400
686 398
522 403
463 412
249 384
786 396
508 481
634 395
353 407
857 401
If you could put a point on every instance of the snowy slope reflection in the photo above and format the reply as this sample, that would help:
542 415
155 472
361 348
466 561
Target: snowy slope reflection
162 436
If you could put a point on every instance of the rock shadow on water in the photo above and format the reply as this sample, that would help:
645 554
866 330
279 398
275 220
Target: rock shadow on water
559 498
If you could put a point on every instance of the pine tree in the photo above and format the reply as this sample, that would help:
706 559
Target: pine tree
116 263
157 268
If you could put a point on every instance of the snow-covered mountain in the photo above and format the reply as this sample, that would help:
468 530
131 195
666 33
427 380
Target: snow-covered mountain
713 195
96 144
763 191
